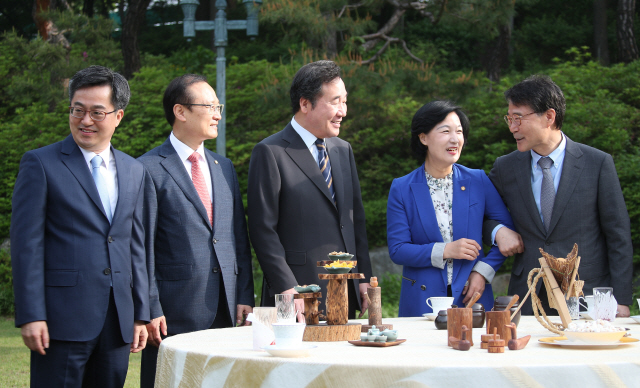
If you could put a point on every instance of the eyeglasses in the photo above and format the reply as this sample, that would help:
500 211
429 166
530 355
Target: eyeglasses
96 115
515 119
217 108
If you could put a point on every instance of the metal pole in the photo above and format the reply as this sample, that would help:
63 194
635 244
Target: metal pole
221 74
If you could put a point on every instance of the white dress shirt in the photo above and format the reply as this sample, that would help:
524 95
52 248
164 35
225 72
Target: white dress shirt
108 171
184 151
557 157
308 139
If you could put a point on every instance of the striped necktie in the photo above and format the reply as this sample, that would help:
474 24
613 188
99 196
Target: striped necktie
325 167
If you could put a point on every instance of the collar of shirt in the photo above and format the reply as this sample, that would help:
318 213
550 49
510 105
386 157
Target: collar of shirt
110 172
307 137
105 154
555 156
184 151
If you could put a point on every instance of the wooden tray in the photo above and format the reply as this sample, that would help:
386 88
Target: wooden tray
377 344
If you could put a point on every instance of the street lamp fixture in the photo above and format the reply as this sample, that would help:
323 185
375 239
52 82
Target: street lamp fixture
220 25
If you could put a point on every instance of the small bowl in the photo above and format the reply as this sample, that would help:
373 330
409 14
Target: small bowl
363 337
392 335
344 256
441 320
594 338
337 270
381 338
430 316
288 335
371 337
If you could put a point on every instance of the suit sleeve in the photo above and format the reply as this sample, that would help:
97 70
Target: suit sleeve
615 225
28 218
263 195
489 225
244 282
138 259
359 223
402 249
150 222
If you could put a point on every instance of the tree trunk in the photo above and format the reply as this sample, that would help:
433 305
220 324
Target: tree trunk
87 8
387 28
627 47
601 43
497 54
133 19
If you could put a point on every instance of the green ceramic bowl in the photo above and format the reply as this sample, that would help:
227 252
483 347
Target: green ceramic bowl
338 270
344 256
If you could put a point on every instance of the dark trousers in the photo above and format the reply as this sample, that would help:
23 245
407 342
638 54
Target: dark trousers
150 353
101 362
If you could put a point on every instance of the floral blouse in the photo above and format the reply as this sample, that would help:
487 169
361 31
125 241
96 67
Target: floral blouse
441 190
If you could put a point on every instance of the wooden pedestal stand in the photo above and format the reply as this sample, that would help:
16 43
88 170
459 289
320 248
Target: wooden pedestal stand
375 310
310 306
337 304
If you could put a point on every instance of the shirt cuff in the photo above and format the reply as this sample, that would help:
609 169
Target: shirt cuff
485 270
437 255
493 234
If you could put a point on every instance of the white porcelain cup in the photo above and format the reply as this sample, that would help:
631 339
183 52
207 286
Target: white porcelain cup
288 335
438 303
588 299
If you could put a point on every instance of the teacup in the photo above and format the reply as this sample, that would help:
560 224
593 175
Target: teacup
438 303
392 335
288 335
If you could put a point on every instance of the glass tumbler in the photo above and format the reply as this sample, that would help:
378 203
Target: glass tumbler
285 308
605 305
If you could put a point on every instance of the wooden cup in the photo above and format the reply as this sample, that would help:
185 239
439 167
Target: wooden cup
456 318
498 320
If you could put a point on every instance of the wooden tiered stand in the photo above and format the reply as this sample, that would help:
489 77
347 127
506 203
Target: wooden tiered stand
337 327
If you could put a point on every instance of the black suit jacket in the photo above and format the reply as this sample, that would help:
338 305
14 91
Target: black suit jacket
589 210
293 223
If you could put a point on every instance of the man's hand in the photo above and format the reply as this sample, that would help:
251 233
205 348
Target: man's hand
623 311
242 310
139 337
509 242
476 284
155 328
364 298
36 336
463 249
298 304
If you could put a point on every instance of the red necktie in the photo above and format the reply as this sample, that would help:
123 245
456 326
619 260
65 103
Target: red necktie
200 185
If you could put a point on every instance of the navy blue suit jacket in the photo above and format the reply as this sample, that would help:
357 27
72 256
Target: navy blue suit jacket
412 230
184 250
64 252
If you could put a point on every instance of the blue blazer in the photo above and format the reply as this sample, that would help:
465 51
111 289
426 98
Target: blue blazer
412 230
64 252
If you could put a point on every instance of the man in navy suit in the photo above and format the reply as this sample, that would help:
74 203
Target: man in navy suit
198 254
80 280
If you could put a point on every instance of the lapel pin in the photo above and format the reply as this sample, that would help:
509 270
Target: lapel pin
463 188
215 161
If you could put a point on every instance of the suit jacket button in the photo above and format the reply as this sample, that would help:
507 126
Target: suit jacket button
107 271
110 239
547 243
215 241
215 270
423 287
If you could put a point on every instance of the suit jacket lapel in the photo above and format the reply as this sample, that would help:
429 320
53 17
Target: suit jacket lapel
124 178
523 177
174 167
73 158
217 185
335 158
571 170
301 156
460 212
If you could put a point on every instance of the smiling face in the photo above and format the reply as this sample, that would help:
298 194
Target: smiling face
444 143
324 120
536 131
94 135
195 125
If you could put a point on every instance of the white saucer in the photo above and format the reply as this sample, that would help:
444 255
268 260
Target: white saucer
430 316
302 351
636 318
562 341
586 316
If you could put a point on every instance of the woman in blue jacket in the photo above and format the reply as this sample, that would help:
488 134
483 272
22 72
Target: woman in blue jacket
435 216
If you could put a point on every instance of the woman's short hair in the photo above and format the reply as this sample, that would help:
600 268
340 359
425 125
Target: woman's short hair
426 119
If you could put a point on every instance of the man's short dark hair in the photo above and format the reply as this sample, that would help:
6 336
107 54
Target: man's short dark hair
177 93
308 81
426 118
99 76
539 93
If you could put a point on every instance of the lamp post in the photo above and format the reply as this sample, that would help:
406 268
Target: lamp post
220 25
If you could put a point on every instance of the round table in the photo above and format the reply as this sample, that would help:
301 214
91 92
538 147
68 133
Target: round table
225 358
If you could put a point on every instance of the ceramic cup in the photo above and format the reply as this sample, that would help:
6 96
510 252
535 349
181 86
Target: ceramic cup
288 335
588 299
286 310
438 303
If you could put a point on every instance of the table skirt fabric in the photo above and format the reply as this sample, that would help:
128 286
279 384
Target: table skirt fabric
224 358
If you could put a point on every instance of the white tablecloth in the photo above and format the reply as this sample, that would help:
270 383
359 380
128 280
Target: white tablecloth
224 358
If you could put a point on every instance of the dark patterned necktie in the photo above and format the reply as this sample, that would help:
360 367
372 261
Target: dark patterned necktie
325 167
547 192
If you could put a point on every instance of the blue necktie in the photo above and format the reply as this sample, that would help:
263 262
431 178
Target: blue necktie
547 192
101 185
325 167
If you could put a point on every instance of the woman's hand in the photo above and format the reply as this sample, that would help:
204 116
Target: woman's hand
462 249
477 283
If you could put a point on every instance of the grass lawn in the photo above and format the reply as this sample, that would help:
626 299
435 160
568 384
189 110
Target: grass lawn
14 359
